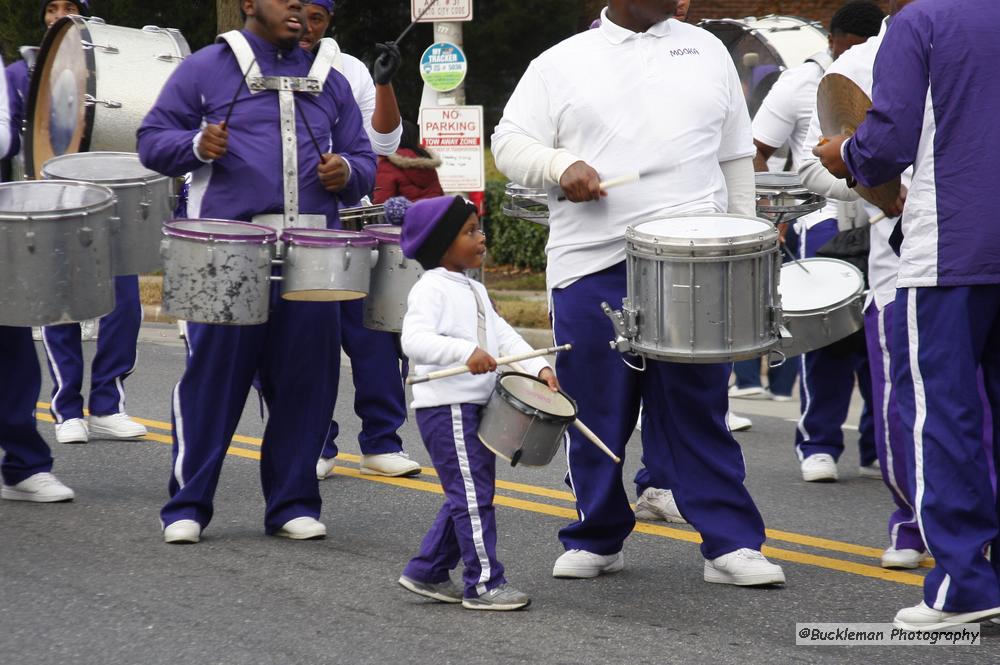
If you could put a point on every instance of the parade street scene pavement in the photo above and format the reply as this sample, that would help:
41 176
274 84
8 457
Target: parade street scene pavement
92 581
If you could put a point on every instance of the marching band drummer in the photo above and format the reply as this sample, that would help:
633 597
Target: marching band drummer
827 377
238 174
26 468
379 397
592 106
935 103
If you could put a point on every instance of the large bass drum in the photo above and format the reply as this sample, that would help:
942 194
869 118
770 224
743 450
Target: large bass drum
93 85
764 47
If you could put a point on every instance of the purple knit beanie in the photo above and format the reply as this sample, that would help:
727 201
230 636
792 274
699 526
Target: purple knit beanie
430 226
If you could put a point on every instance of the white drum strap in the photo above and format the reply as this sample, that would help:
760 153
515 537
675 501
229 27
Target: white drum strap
480 317
327 57
822 58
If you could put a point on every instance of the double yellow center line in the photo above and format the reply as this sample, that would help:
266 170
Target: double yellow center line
249 447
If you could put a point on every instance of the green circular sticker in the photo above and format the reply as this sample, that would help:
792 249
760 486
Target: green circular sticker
443 66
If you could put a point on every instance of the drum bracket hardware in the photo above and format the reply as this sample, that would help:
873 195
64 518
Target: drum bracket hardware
623 321
167 57
107 48
90 100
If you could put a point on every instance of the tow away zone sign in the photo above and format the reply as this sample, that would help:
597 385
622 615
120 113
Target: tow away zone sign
456 133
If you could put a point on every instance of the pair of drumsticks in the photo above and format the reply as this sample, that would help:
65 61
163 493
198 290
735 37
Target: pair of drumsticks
513 362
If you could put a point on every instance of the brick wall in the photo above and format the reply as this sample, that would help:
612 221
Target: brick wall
821 10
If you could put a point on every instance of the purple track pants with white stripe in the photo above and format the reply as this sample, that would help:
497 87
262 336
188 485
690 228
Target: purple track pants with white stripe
113 363
465 528
296 357
689 403
942 336
25 451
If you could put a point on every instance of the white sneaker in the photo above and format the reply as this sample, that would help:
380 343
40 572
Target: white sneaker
893 558
182 532
819 468
302 528
36 334
775 397
658 505
873 470
73 430
388 464
750 392
116 426
39 488
921 617
89 330
744 567
737 423
324 467
581 564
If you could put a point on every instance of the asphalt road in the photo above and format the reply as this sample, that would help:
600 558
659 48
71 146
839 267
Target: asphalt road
92 582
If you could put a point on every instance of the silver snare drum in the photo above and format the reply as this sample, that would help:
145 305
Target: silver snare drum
701 289
524 421
326 265
782 198
524 203
356 219
217 271
55 252
392 278
145 202
821 306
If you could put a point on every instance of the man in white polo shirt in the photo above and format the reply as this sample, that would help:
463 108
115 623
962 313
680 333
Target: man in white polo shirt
827 375
649 94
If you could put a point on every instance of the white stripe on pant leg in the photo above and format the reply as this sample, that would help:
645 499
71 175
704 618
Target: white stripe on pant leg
567 439
801 426
179 433
120 380
60 384
883 344
920 402
472 503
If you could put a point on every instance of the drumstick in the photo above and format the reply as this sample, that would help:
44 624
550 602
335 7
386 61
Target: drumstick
302 116
410 27
877 218
505 360
229 112
583 429
788 252
613 182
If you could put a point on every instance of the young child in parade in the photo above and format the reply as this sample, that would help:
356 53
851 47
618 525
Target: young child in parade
450 321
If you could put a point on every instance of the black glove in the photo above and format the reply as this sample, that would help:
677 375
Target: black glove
387 63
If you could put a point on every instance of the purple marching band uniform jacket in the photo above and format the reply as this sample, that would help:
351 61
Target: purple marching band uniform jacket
936 98
18 82
295 356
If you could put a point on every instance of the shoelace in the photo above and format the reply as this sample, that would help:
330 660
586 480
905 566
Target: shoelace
747 553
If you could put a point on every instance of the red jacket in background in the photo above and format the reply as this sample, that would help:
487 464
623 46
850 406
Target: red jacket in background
406 173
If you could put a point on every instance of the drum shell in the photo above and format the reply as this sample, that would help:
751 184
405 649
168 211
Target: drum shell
816 328
216 281
391 280
144 203
704 303
531 205
505 429
56 268
327 274
356 219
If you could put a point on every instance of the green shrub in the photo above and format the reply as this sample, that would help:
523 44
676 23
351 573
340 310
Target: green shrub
512 241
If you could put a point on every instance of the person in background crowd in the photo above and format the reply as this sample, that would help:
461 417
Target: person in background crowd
410 172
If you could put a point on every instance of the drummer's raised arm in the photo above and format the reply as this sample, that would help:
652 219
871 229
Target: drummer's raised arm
524 142
5 133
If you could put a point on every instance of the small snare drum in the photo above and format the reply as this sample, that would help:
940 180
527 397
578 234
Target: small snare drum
392 278
782 198
145 201
524 421
217 271
326 265
356 219
820 306
55 252
701 289
524 203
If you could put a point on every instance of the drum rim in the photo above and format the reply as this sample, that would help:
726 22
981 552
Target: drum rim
378 231
305 237
362 211
770 188
255 233
529 410
512 188
52 35
684 244
152 176
98 206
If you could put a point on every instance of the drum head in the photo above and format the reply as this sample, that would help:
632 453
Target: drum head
828 283
52 199
102 167
532 394
219 230
388 233
59 121
704 227
326 238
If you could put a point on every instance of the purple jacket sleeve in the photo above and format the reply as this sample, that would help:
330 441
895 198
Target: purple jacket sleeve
886 142
350 141
18 83
166 135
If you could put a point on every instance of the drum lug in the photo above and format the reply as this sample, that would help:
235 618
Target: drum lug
90 100
116 224
375 256
86 235
623 333
107 48
30 238
166 57
347 256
